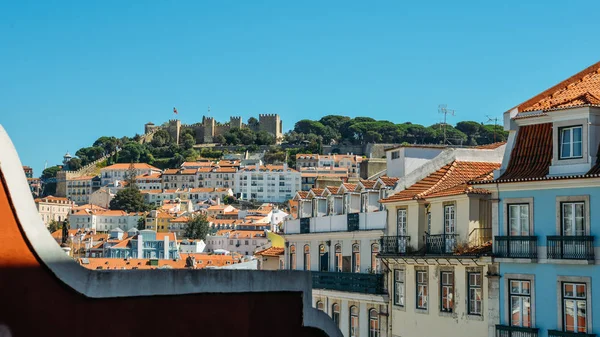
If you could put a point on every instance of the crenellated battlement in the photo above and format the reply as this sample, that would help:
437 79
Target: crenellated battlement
268 115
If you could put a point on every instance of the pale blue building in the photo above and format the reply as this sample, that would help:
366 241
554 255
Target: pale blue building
546 201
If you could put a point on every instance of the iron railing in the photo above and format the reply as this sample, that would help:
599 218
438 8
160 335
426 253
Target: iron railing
556 333
395 244
440 243
351 282
515 331
570 247
518 247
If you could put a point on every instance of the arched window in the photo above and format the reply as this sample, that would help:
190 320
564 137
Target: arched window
373 323
293 257
323 258
374 259
338 258
320 305
306 257
356 258
353 321
335 314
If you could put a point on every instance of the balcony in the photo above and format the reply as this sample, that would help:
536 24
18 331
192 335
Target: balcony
570 247
395 245
516 247
556 333
337 223
350 282
515 331
440 244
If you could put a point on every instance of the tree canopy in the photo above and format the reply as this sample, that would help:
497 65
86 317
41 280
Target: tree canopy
197 228
129 200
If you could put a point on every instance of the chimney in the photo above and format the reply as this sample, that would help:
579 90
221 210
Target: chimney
166 246
218 200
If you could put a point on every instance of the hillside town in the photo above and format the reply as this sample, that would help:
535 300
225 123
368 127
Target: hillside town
426 240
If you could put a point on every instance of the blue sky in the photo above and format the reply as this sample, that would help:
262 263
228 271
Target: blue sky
72 71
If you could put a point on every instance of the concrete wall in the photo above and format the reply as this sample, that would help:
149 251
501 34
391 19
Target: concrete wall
371 166
338 223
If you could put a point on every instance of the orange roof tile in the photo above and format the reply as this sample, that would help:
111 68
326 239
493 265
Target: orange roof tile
491 146
451 179
203 260
369 184
581 89
332 189
389 181
531 155
149 176
271 251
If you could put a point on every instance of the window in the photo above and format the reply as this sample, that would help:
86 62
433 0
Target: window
293 257
320 305
353 321
520 303
449 219
335 314
374 259
401 222
573 219
518 217
399 287
373 323
306 257
422 289
323 259
570 142
356 258
447 291
574 307
474 284
338 258
395 154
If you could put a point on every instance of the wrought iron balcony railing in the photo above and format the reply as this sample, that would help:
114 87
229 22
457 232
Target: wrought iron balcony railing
440 243
570 247
515 331
556 333
395 244
351 282
517 247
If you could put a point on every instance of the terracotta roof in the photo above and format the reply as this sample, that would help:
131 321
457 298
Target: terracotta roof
240 234
317 191
51 198
389 181
581 89
369 184
124 166
149 176
88 206
349 187
531 155
181 219
333 189
202 260
302 194
491 146
449 180
197 164
271 251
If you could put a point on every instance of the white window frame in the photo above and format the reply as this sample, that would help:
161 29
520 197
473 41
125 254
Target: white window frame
570 142
521 296
419 287
506 295
560 280
470 272
585 199
447 283
572 205
449 218
401 221
520 222
512 201
399 299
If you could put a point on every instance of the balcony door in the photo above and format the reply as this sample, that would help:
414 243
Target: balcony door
573 224
323 258
402 230
449 227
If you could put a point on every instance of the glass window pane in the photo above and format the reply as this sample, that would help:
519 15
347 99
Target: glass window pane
566 136
577 149
577 134
565 151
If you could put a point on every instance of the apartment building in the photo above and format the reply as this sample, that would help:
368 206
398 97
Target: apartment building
544 201
217 177
336 235
118 172
310 175
102 220
53 208
80 189
179 178
270 183
149 181
351 162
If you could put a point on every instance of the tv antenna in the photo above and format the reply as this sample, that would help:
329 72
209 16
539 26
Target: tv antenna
209 110
443 109
495 120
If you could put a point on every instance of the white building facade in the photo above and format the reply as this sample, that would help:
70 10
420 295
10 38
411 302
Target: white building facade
270 183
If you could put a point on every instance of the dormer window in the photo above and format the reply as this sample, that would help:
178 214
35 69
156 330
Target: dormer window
571 142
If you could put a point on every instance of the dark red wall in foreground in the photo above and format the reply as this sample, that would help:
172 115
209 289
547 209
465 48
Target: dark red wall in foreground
35 303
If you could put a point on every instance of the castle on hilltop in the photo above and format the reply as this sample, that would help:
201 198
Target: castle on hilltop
208 129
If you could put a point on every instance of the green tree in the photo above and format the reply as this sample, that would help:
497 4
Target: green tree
74 164
228 200
54 225
188 141
141 223
129 200
160 138
334 121
89 154
491 133
253 123
264 138
130 177
471 129
308 126
197 228
50 172
109 144
219 139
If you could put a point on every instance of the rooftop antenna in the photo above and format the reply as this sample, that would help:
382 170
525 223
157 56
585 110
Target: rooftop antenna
495 125
209 110
443 109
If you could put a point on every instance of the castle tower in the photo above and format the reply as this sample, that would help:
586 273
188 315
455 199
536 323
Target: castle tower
174 129
235 122
148 127
208 124
272 124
